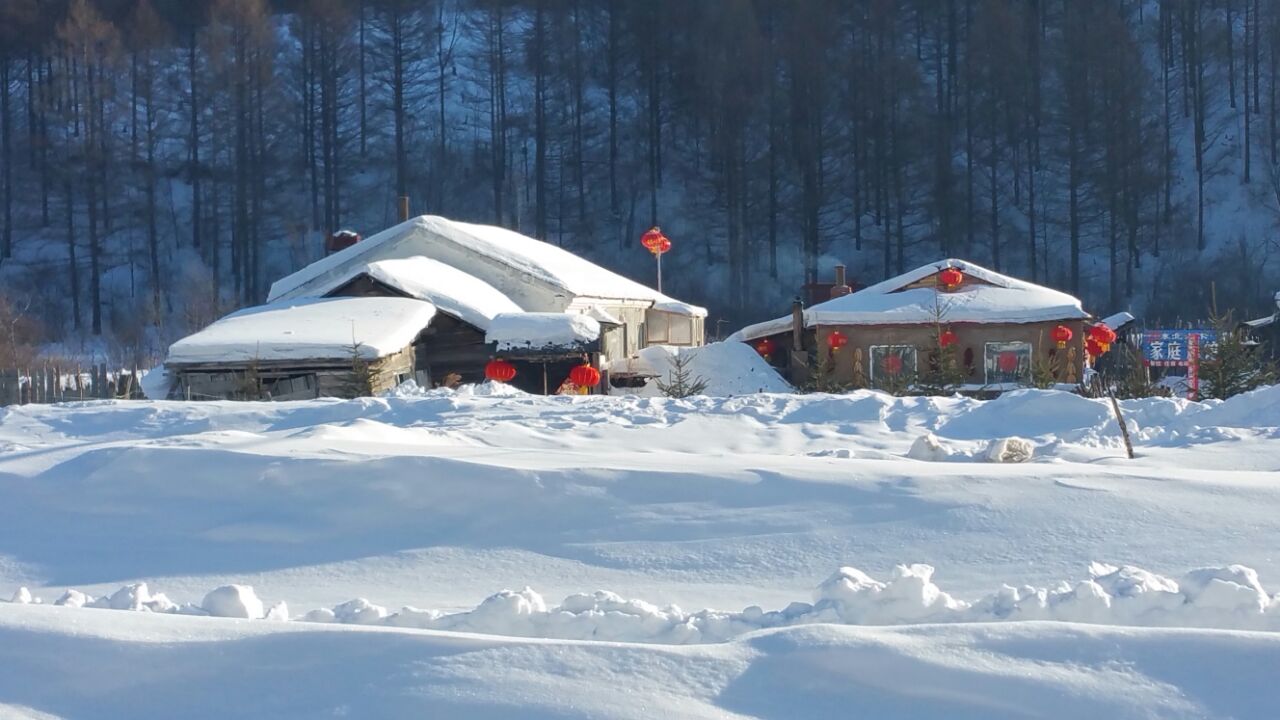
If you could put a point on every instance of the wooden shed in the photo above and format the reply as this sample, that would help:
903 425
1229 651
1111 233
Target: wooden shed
1002 328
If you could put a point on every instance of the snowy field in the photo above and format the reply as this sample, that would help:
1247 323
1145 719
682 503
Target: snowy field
487 554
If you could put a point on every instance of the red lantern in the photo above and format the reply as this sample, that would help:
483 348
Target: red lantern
948 338
1007 362
892 364
1061 335
500 371
1092 347
951 278
585 376
1102 335
766 347
654 241
836 340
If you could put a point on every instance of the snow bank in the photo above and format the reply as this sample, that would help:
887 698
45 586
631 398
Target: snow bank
729 369
1230 597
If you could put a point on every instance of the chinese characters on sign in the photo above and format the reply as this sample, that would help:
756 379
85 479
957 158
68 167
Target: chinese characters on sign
1178 348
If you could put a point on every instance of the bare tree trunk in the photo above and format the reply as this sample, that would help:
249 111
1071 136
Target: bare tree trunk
6 158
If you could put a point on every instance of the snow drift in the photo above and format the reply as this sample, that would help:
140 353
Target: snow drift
1230 597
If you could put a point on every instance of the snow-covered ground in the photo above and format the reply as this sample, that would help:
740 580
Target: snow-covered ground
766 555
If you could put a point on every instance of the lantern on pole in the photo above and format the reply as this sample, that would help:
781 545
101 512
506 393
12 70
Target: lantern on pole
500 370
948 338
1061 335
655 242
950 278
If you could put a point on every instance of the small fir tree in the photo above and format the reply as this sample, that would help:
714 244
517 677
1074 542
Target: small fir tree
1235 365
683 382
361 382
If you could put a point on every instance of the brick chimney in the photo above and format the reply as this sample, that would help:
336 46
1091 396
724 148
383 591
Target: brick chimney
841 288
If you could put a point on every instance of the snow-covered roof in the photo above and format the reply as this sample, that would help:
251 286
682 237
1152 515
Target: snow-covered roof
452 291
509 261
995 298
1117 321
535 331
307 329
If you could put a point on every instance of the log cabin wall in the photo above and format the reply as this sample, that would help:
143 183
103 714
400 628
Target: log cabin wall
850 364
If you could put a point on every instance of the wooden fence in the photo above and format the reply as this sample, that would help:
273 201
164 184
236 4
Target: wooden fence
23 386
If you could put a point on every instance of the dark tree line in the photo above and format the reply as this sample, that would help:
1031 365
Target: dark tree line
163 160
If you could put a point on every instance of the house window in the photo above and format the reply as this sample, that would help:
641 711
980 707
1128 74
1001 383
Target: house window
892 365
1008 363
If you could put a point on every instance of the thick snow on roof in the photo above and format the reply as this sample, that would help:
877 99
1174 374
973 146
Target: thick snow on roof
307 329
533 331
452 291
505 259
997 299
1117 321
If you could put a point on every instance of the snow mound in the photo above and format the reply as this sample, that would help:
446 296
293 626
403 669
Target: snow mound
233 601
729 369
1010 450
1230 597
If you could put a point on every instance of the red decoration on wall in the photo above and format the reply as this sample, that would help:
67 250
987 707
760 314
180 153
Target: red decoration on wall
837 340
951 278
585 376
500 371
892 364
766 347
1061 335
948 338
1007 362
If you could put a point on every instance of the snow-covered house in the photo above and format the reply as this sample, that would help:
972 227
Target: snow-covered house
1000 326
452 295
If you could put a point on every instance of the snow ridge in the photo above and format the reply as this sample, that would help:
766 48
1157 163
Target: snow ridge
1230 597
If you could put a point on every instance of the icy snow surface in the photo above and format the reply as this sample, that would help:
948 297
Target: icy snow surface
727 368
772 555
316 328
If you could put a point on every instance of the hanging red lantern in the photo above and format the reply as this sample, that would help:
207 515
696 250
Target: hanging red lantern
1103 335
585 376
948 338
892 364
1061 335
1092 347
836 340
500 371
1007 362
951 278
654 241
766 347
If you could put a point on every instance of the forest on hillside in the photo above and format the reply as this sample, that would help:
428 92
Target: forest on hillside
163 161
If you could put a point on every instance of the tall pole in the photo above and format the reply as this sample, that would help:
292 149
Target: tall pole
659 257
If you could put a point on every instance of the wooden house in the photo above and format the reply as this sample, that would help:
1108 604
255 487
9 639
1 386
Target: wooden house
433 300
883 335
